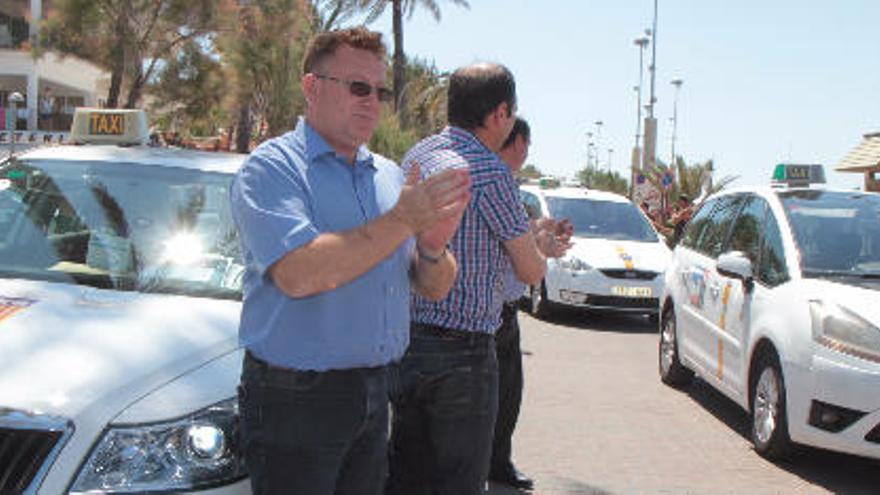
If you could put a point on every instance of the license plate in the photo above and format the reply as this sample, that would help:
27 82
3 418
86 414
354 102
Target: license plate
631 291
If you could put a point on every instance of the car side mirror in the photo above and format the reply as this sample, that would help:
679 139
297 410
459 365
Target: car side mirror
736 264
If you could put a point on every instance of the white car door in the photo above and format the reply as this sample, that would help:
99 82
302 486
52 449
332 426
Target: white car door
733 324
706 305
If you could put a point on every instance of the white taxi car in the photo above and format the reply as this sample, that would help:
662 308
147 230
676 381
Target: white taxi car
617 259
120 288
772 298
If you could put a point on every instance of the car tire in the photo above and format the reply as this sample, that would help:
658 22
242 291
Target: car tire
769 410
539 306
672 372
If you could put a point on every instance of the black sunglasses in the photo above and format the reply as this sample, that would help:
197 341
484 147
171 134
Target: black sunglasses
361 88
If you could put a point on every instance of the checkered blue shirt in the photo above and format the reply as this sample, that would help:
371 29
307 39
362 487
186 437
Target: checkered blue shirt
493 216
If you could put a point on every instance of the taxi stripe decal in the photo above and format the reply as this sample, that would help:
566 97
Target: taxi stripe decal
725 298
11 305
627 259
722 322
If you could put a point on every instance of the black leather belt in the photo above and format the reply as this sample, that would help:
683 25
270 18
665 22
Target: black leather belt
450 333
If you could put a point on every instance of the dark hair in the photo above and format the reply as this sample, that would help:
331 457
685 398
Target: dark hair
520 128
476 91
325 44
684 197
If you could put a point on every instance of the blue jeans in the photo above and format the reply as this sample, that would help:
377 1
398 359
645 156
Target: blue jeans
308 432
444 398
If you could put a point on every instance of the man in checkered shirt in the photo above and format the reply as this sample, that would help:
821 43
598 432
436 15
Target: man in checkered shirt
445 389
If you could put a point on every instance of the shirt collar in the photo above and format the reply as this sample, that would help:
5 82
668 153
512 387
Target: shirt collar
315 145
466 136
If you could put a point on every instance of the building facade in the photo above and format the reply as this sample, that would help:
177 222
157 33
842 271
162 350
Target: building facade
52 85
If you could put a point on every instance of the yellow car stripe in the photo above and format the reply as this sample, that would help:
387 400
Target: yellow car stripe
720 359
725 298
627 259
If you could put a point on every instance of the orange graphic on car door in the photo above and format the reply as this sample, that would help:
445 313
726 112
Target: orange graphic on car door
722 322
11 305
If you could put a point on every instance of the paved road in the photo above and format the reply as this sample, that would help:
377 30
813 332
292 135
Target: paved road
597 420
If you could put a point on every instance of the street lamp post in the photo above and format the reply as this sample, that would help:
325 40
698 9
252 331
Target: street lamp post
598 140
610 151
677 83
636 166
641 43
650 157
589 149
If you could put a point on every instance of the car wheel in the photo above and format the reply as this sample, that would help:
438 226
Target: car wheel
672 372
540 306
769 411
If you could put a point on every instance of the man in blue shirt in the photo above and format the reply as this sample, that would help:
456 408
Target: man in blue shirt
445 391
327 234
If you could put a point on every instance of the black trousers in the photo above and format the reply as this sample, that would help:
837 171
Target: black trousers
444 394
510 386
314 433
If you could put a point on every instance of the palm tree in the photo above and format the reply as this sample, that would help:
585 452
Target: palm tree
696 180
332 14
377 7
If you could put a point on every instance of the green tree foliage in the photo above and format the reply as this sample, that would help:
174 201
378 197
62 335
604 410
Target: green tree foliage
327 15
128 38
390 140
262 45
694 180
189 93
423 101
529 171
603 180
399 8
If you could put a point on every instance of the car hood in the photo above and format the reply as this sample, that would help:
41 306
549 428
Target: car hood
604 254
857 299
67 348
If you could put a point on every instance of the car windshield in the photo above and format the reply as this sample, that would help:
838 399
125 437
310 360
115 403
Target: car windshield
117 225
603 219
837 233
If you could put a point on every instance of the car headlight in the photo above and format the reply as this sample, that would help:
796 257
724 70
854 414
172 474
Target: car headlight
196 451
574 264
842 330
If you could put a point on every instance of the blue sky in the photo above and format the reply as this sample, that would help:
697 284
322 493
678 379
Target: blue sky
764 81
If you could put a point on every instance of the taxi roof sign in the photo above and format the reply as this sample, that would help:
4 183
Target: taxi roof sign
792 174
109 126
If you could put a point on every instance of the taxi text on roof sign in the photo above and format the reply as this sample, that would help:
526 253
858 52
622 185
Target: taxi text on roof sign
791 174
106 124
109 126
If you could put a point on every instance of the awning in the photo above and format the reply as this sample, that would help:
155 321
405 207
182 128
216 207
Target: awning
863 158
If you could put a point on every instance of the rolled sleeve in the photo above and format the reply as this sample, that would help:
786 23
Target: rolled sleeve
271 210
500 207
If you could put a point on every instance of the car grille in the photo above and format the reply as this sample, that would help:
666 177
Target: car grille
622 302
28 444
630 274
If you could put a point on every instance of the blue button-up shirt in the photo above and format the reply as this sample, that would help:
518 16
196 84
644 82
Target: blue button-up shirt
494 215
291 189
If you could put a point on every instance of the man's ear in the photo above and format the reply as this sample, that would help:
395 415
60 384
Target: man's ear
494 119
309 86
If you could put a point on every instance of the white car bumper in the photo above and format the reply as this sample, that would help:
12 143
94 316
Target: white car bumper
595 290
842 388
